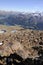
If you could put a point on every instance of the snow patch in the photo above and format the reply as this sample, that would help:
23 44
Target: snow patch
1 43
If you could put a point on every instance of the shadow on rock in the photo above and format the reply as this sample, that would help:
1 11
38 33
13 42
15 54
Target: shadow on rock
17 60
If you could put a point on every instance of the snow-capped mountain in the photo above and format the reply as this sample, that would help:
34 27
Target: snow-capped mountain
26 20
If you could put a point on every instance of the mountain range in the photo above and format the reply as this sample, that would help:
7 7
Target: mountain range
26 20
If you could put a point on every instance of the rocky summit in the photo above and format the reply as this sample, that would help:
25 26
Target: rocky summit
21 47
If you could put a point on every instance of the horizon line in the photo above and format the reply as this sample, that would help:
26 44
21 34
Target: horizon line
21 11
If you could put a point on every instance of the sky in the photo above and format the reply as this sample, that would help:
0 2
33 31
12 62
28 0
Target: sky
21 5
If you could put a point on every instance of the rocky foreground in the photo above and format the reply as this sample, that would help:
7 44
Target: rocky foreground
22 47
